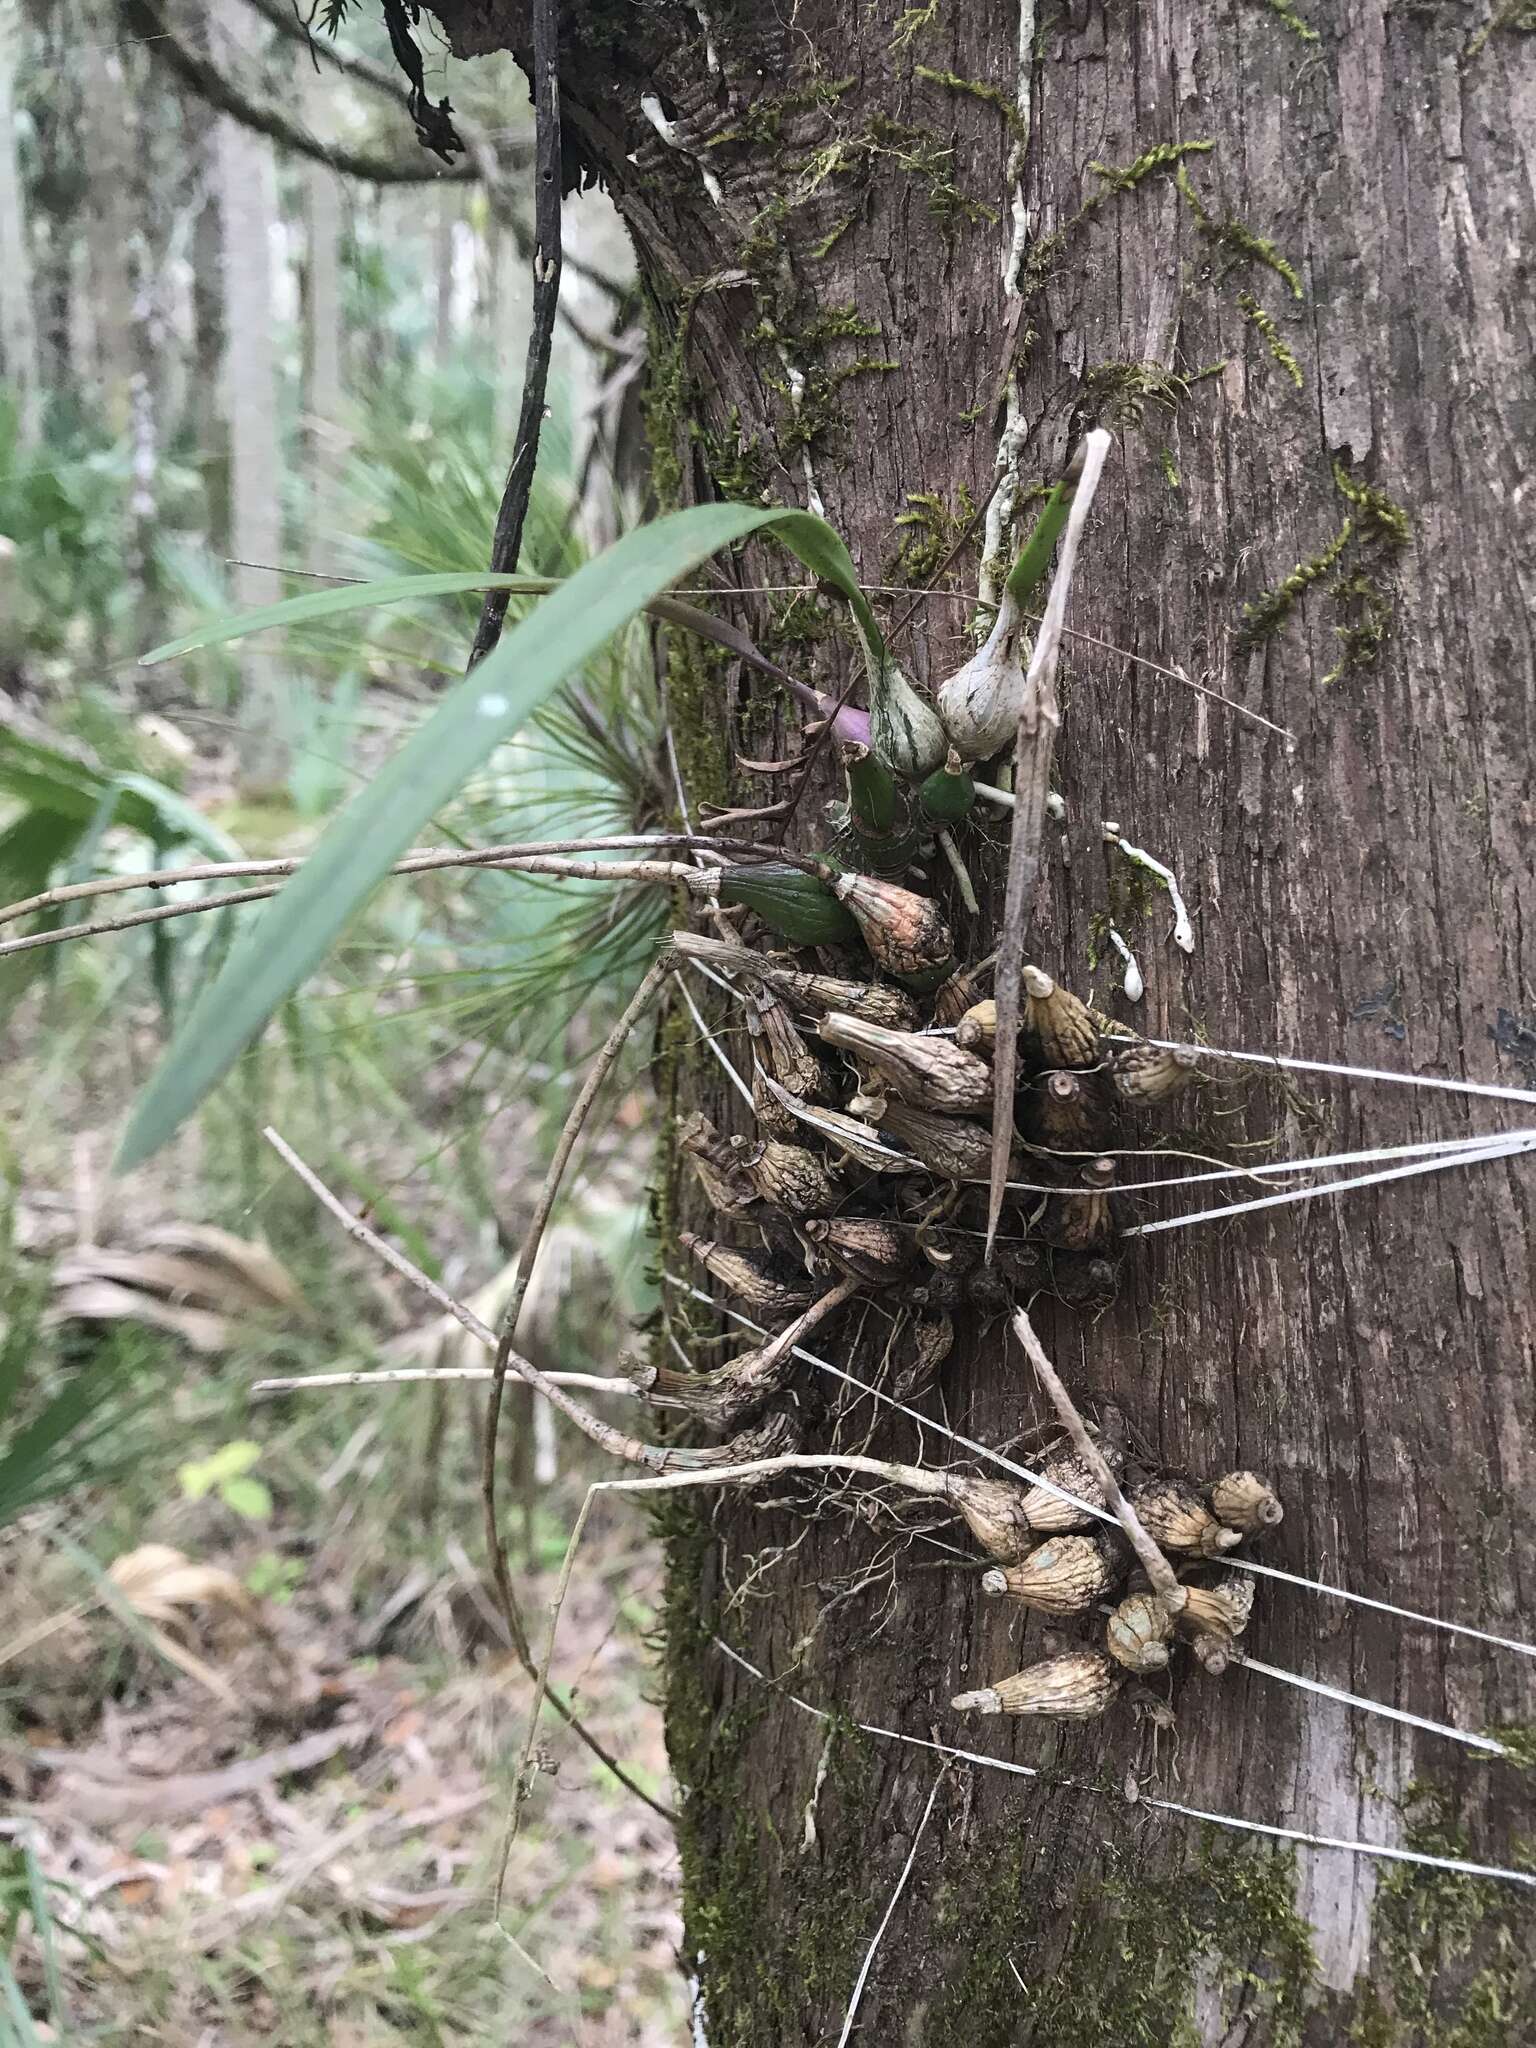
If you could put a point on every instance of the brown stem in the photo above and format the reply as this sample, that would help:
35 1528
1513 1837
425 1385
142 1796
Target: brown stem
1157 1568
512 515
528 1252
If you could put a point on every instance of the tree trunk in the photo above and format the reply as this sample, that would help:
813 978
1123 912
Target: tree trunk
1311 333
322 316
18 325
107 137
248 209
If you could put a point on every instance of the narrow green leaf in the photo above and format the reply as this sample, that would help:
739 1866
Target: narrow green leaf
1035 555
330 604
817 544
294 933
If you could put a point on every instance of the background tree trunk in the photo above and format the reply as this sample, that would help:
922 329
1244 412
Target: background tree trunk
18 328
323 338
1327 334
107 140
247 209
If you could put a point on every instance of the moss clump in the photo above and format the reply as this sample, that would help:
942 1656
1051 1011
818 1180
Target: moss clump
1380 519
830 240
763 120
933 533
696 688
737 462
1269 611
1123 391
1519 1740
1047 251
1274 341
978 89
1163 156
803 622
1286 13
1366 604
1453 1965
1376 529
1128 1977
930 164
912 22
1516 17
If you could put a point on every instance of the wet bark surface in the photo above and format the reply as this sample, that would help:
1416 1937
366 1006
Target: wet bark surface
1352 276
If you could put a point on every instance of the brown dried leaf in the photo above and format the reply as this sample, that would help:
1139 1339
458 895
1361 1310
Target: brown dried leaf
104 1301
243 1262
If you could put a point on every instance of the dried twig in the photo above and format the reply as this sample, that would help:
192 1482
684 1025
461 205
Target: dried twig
593 1383
1031 784
422 860
700 881
528 1253
611 1440
507 542
1164 1583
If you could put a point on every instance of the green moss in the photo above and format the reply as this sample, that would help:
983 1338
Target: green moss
736 1870
1516 17
1286 13
912 23
1123 391
763 120
933 532
1376 529
1269 611
1047 251
829 241
927 162
1163 156
1366 602
978 89
737 462
1453 1965
834 323
1379 518
1519 1740
1128 1976
1169 468
803 621
696 683
1264 321
1233 238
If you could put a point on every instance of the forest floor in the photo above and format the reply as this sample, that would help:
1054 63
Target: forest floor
259 1725
300 1840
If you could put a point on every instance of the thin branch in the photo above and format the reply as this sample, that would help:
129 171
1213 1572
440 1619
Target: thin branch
610 1439
507 542
1157 1568
420 861
400 1376
528 1253
1033 749
1287 1062
698 881
211 85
